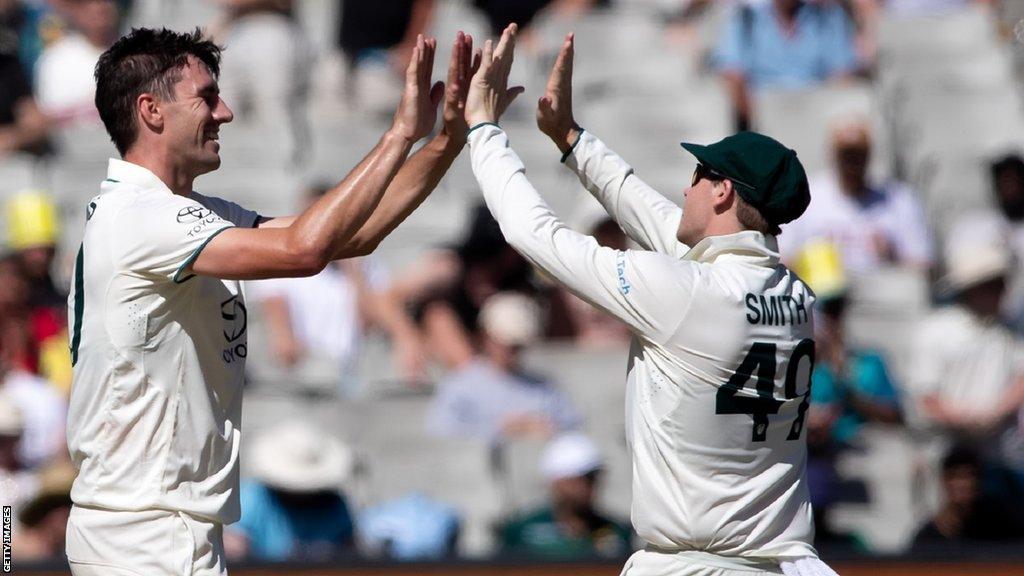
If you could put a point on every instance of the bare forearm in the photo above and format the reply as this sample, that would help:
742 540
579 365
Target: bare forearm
331 222
410 187
736 85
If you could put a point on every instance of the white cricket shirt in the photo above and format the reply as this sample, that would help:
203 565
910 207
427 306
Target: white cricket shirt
158 353
719 371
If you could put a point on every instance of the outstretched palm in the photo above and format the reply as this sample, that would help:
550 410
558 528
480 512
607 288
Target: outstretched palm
417 111
461 68
554 109
489 94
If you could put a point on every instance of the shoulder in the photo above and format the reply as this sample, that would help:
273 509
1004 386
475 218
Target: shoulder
900 194
945 328
147 212
658 266
536 516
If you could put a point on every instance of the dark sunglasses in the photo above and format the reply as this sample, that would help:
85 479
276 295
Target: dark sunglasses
704 172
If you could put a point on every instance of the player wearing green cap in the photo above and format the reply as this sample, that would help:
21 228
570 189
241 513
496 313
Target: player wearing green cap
719 371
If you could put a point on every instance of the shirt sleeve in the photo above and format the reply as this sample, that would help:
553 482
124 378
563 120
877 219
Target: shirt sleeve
160 237
646 216
229 211
913 240
643 289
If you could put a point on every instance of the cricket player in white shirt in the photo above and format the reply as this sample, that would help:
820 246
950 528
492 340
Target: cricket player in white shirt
719 371
158 319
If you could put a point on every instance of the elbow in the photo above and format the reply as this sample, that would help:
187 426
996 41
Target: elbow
364 248
309 258
518 237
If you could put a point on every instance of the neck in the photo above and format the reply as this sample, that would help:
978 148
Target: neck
722 227
853 187
787 10
157 160
573 521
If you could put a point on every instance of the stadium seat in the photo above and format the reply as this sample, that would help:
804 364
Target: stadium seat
401 458
802 119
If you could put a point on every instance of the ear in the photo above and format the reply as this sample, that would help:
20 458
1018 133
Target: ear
150 112
722 196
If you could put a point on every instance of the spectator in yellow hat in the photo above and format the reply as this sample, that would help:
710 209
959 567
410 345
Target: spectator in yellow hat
33 231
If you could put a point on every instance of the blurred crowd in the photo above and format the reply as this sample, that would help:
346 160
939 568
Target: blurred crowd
460 317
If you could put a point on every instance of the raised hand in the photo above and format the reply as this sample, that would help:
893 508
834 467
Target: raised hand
417 111
554 109
461 68
489 94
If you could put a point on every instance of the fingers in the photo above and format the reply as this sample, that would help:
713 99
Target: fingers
488 54
561 72
478 58
412 71
456 63
436 94
429 48
514 92
466 68
504 53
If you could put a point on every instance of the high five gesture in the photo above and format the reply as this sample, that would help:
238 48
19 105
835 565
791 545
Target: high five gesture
554 108
417 111
489 94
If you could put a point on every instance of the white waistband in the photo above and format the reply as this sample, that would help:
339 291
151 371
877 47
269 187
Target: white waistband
717 561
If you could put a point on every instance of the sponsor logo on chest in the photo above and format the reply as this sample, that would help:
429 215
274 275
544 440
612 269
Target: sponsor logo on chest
236 320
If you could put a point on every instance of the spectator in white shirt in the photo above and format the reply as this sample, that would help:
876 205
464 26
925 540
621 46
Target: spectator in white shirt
873 224
43 411
325 315
967 369
65 87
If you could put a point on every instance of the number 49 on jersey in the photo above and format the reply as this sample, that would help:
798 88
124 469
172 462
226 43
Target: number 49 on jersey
760 363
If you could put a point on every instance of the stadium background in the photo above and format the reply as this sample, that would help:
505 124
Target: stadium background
942 91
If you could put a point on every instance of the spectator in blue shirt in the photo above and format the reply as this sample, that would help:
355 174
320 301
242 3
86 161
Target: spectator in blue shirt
852 385
784 44
293 508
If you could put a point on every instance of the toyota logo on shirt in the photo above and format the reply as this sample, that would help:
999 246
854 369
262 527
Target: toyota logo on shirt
192 214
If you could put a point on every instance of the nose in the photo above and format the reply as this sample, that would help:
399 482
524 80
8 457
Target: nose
222 114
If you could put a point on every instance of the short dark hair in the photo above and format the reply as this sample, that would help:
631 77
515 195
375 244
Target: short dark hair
752 219
1010 162
145 60
960 455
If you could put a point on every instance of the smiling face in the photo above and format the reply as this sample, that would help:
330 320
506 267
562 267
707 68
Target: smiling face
192 120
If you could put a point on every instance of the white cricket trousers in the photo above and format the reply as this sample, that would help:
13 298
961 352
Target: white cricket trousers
147 543
654 562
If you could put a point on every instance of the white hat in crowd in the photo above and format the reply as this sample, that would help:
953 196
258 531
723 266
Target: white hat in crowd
297 457
511 318
11 421
976 251
570 455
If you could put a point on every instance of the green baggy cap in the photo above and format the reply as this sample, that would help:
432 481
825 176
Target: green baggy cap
765 173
